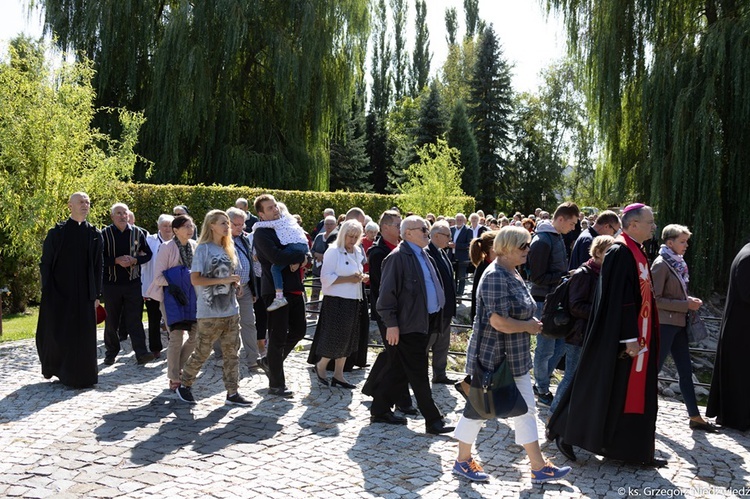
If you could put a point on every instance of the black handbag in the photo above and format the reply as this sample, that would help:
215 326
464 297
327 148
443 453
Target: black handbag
494 394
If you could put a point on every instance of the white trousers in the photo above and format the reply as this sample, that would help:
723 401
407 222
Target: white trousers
526 429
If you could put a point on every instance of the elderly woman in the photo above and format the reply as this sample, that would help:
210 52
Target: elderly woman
502 328
670 277
341 277
173 253
371 232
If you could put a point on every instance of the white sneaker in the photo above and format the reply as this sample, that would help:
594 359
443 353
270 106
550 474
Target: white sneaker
277 304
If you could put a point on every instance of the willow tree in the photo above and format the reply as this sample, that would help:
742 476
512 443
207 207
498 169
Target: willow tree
232 91
669 81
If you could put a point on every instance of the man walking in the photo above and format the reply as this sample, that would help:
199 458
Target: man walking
71 269
286 325
125 250
410 303
440 236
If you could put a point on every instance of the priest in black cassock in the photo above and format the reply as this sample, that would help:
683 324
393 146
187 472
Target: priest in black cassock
728 399
71 269
611 406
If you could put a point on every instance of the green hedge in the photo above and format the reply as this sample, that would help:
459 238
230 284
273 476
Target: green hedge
149 201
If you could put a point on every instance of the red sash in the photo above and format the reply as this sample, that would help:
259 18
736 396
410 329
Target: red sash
635 399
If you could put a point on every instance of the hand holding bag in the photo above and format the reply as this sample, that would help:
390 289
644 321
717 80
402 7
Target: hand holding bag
696 328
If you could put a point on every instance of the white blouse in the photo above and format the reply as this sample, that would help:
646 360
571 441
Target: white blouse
338 263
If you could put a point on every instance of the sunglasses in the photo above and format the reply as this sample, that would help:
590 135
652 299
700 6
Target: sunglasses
424 229
524 246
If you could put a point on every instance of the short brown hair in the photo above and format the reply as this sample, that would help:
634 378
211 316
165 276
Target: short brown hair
567 210
258 203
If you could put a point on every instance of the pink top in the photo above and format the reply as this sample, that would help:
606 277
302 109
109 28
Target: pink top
167 257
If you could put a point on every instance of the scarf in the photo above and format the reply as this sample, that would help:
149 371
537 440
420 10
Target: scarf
676 261
186 252
635 398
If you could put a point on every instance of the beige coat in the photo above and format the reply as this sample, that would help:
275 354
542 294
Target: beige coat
167 257
671 296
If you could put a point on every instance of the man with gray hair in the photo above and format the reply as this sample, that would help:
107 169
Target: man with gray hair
250 219
440 236
410 305
356 214
328 212
125 250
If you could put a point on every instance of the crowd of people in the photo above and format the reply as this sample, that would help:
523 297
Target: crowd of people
237 287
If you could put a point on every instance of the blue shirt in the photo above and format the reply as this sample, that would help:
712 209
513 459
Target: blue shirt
433 305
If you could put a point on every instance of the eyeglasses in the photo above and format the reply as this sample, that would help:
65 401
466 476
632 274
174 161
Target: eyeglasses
424 229
446 234
524 246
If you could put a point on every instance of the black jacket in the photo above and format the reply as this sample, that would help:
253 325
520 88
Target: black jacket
268 248
403 297
375 256
445 270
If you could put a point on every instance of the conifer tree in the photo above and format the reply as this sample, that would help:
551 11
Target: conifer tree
451 26
461 136
381 61
491 113
431 119
349 161
400 56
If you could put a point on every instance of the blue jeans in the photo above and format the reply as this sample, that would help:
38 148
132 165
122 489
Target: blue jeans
546 356
572 358
289 250
674 340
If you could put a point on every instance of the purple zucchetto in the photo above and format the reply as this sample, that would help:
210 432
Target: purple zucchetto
634 206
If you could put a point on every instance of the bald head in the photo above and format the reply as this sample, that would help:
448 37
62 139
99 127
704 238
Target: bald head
79 205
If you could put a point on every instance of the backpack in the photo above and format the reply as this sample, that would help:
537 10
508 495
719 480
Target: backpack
557 322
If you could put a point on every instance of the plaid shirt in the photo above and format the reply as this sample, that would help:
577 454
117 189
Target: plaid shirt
499 292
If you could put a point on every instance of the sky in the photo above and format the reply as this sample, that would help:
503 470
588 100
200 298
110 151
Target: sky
529 40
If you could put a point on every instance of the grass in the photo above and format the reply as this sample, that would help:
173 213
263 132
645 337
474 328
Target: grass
20 326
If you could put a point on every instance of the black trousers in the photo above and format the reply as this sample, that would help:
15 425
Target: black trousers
380 367
154 325
286 327
261 316
124 300
410 368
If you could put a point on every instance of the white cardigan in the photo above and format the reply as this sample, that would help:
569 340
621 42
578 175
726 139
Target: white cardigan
338 263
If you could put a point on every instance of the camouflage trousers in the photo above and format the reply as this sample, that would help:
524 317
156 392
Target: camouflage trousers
227 331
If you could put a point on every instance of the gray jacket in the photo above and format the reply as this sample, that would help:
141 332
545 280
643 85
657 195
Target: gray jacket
548 261
403 298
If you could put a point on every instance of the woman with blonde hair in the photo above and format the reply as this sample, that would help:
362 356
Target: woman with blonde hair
670 277
214 275
341 277
502 331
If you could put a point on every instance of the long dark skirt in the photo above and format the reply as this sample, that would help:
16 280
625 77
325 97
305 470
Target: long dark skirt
341 332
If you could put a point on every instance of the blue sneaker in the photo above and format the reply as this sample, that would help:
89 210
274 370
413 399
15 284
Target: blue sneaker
470 469
549 472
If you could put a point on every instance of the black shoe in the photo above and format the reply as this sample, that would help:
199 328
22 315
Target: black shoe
443 380
108 361
438 427
704 426
323 381
388 418
263 364
238 399
342 384
409 411
281 392
145 359
536 390
545 399
185 394
565 449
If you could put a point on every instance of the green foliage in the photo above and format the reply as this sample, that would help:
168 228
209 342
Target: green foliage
401 125
233 92
431 119
381 62
420 66
457 72
474 25
451 25
490 110
48 152
668 83
433 184
461 137
377 150
349 161
19 326
400 57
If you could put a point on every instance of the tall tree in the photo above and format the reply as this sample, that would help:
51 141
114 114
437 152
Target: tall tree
431 119
668 82
381 60
400 56
471 14
402 123
491 108
349 162
451 26
232 92
461 137
421 59
377 151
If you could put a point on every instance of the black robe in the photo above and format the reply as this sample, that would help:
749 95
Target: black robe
590 414
71 269
727 400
